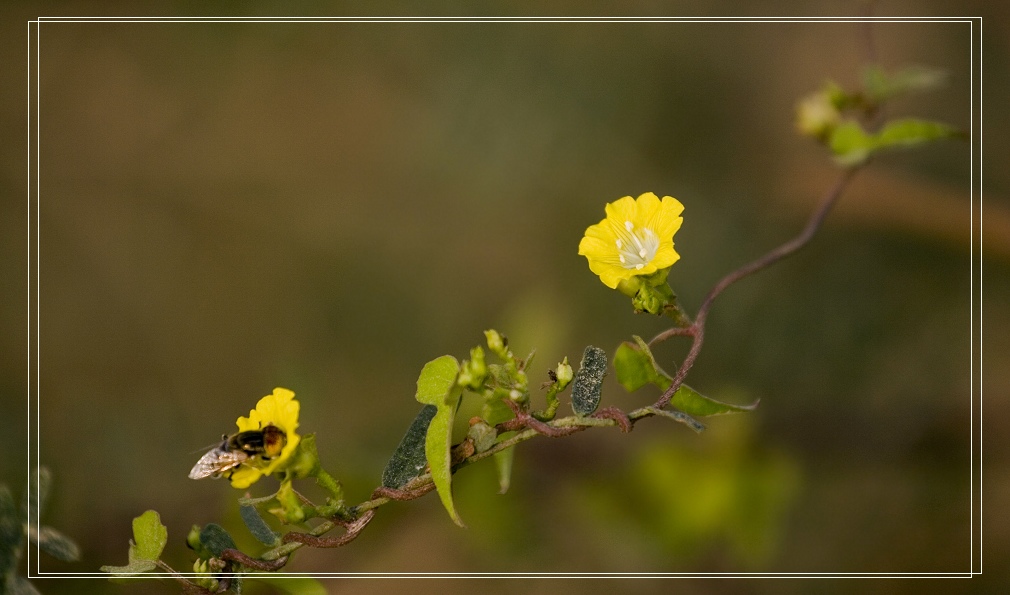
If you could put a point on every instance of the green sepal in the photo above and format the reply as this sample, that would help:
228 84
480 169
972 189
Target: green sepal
587 386
305 460
290 510
215 539
437 386
636 367
258 527
409 460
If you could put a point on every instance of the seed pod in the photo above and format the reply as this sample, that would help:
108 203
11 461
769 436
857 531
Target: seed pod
588 382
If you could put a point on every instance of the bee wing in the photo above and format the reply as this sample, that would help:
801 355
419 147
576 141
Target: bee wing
217 461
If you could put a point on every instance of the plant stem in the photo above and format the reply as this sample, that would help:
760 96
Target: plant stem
697 329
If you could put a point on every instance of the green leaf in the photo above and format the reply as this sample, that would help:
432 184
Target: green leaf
851 144
134 567
150 536
216 539
635 367
409 460
437 386
55 544
692 402
587 385
910 132
258 527
36 494
295 585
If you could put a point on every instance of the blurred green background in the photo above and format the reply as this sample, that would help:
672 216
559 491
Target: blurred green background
226 208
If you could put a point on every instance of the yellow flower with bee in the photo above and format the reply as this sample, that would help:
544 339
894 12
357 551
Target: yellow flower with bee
264 443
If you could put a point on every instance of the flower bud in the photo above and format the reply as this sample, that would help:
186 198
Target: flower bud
496 343
564 374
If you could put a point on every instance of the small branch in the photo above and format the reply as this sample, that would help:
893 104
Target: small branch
697 329
353 529
234 555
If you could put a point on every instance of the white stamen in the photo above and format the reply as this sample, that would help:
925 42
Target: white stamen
636 246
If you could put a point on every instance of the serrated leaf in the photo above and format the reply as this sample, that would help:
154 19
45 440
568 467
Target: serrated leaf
19 585
257 526
149 536
437 386
36 494
216 539
55 544
587 386
409 460
295 585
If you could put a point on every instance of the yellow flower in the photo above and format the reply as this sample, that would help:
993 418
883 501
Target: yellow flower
635 239
279 409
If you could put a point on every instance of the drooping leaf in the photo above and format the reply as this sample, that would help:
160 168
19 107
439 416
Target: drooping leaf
55 544
409 460
149 536
587 386
692 402
216 539
258 527
437 386
636 367
503 460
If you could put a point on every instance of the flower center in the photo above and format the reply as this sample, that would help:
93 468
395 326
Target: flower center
636 247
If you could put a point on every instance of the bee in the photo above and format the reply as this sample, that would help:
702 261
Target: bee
239 448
